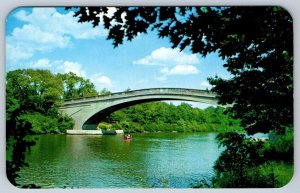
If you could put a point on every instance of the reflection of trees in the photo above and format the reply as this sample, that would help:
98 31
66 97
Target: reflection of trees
62 160
99 161
48 151
122 157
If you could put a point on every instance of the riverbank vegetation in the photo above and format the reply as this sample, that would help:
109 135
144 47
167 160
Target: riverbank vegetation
161 116
261 164
32 97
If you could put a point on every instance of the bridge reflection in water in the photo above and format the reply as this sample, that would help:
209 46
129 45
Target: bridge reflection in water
88 111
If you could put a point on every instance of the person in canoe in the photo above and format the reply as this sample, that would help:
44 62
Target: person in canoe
127 137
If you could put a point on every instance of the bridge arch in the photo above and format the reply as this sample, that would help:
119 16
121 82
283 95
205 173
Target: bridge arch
87 112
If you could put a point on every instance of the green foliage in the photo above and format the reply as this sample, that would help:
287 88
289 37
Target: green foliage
42 124
239 153
267 175
128 127
105 92
104 126
76 86
32 97
32 89
160 116
39 123
281 148
281 172
17 144
253 164
261 62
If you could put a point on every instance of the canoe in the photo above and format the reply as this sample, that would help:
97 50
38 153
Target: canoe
127 138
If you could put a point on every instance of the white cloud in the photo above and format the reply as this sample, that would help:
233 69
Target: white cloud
35 35
205 85
171 62
15 52
42 63
110 13
161 78
168 57
101 81
142 81
50 20
46 29
75 67
105 80
180 70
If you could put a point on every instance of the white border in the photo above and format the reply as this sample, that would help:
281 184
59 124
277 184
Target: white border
293 6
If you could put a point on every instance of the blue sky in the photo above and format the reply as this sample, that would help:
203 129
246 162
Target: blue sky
51 38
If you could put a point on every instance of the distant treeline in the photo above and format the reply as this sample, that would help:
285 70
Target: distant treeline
161 116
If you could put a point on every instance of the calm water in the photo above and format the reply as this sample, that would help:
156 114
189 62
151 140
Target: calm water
173 160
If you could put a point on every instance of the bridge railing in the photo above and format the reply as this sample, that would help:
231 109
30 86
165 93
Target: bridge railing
148 91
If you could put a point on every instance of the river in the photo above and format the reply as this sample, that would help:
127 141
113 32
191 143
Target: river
153 160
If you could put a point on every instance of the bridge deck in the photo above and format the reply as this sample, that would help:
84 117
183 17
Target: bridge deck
152 91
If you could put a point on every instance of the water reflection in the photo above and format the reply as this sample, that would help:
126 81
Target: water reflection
149 160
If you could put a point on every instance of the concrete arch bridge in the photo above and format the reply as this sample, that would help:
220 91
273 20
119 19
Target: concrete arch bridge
88 111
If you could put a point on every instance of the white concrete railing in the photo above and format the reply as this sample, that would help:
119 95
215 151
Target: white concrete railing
152 91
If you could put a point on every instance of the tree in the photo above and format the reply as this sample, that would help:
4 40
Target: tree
246 163
160 116
105 92
127 90
76 86
255 42
30 93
